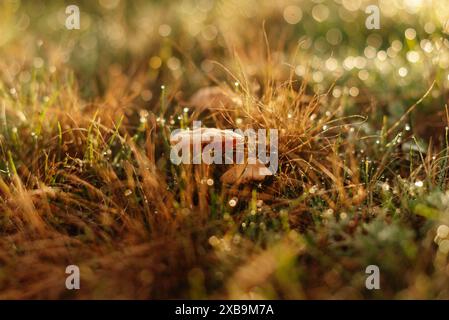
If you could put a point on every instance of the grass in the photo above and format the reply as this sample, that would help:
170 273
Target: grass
86 179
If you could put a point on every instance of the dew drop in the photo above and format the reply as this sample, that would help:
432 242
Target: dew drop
419 184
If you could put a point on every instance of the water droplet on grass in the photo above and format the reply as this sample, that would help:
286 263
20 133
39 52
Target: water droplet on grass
233 202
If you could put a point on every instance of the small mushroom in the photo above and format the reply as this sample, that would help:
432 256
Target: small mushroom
184 140
244 173
206 136
252 170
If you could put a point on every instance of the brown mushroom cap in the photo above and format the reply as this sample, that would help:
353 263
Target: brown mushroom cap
253 170
206 136
243 173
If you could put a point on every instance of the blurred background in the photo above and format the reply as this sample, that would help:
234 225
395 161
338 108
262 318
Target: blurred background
177 42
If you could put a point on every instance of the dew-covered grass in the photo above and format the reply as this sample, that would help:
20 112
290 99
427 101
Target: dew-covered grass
85 171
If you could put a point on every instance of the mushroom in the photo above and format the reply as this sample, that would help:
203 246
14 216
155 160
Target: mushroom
206 136
254 170
203 141
207 139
